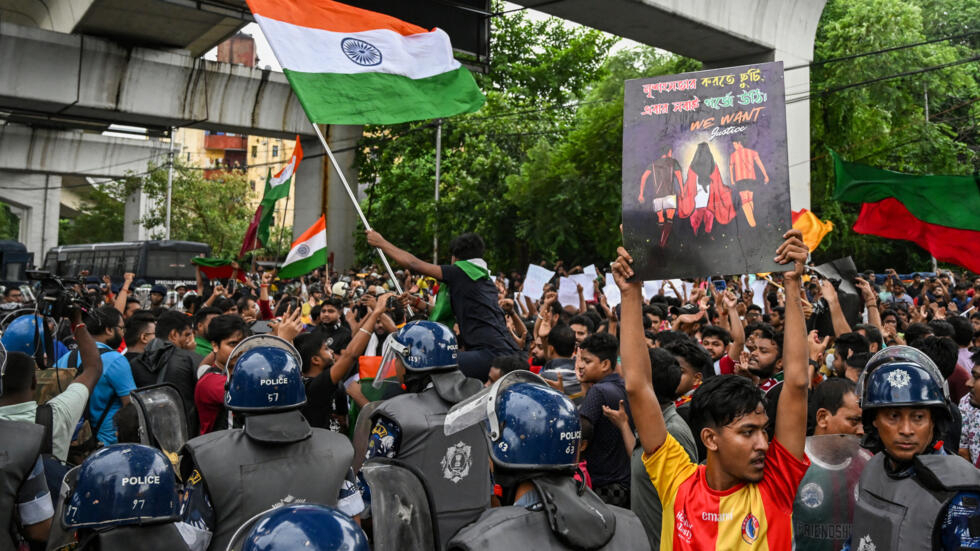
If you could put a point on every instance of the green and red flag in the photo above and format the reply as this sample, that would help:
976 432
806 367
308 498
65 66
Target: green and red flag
348 65
951 201
218 268
937 212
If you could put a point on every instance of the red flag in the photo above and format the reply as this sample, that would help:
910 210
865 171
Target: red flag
251 241
890 219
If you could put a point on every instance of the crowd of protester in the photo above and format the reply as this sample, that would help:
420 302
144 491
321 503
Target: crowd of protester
653 379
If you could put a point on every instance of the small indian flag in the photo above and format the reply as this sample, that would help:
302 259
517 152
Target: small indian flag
349 65
308 253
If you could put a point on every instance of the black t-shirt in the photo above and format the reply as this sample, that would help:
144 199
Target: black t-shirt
320 392
338 335
606 455
481 321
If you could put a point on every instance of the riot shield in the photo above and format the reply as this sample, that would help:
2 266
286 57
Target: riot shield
825 498
401 507
362 433
162 421
62 538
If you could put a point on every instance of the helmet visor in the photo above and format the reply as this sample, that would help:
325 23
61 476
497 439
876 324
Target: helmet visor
480 406
392 352
263 341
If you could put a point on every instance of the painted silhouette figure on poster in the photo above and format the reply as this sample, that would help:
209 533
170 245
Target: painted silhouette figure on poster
742 172
705 198
665 177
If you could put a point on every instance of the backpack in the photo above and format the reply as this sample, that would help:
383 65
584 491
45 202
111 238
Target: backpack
54 468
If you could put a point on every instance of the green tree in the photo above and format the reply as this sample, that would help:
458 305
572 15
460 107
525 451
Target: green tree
215 211
9 223
536 68
568 190
100 218
883 124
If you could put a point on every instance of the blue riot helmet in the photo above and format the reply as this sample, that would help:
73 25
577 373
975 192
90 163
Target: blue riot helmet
123 484
902 376
24 334
530 426
422 347
268 376
305 526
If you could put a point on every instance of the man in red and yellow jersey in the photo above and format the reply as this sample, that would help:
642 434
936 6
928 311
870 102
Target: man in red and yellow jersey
742 498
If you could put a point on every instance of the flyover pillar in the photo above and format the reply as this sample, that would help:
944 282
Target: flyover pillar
316 175
36 199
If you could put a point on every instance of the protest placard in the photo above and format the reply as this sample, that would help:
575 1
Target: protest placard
705 172
535 280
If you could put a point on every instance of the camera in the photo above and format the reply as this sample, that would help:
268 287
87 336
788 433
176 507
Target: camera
57 296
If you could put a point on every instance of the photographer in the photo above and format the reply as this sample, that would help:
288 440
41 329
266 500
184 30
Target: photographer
105 324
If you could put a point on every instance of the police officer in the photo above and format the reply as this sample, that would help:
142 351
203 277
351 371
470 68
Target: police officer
912 494
277 458
534 435
127 493
409 427
23 490
308 527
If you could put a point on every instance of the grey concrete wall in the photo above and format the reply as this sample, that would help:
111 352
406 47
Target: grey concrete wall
314 175
95 80
44 151
35 198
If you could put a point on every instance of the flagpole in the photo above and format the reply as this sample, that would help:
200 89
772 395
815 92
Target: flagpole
357 207
435 225
282 229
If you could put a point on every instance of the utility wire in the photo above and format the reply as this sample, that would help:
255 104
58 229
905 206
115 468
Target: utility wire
881 51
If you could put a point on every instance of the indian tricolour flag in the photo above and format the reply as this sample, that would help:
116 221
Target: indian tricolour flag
309 251
348 65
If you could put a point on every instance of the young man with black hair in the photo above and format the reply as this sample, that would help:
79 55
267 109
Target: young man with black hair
471 295
745 491
202 346
560 365
834 408
332 324
695 365
141 328
653 317
224 332
105 324
583 326
644 501
766 359
169 358
606 455
323 370
846 346
875 340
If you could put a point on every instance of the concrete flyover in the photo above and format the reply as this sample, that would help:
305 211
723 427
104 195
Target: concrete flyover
35 162
91 82
720 34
